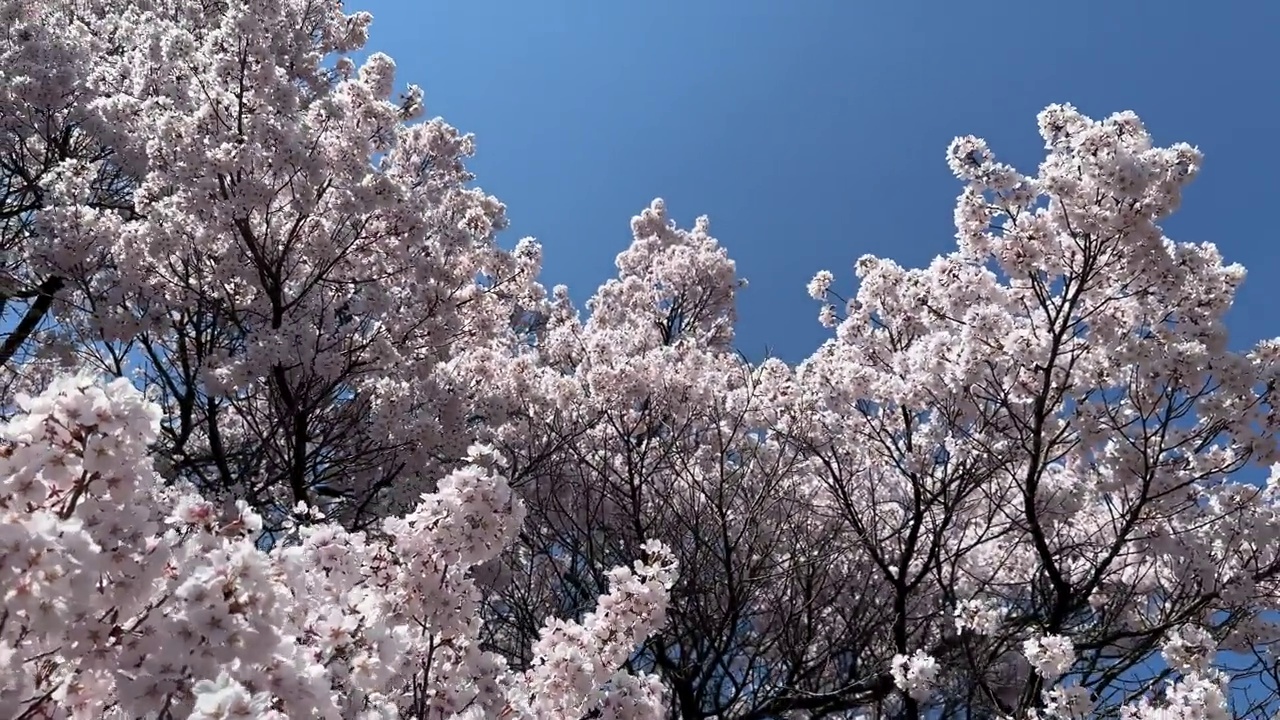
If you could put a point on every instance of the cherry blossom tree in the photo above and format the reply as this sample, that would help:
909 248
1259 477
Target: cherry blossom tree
286 434
637 422
213 199
1036 440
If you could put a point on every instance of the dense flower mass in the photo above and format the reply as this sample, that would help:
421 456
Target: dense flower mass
126 598
284 433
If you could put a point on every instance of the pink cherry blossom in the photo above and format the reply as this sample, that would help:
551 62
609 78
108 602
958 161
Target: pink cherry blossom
285 433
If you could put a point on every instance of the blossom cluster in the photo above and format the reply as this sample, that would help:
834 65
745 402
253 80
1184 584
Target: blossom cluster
915 674
1050 655
126 598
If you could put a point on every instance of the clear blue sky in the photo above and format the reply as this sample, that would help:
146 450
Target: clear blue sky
813 131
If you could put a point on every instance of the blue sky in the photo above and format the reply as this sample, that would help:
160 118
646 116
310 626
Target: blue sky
813 131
